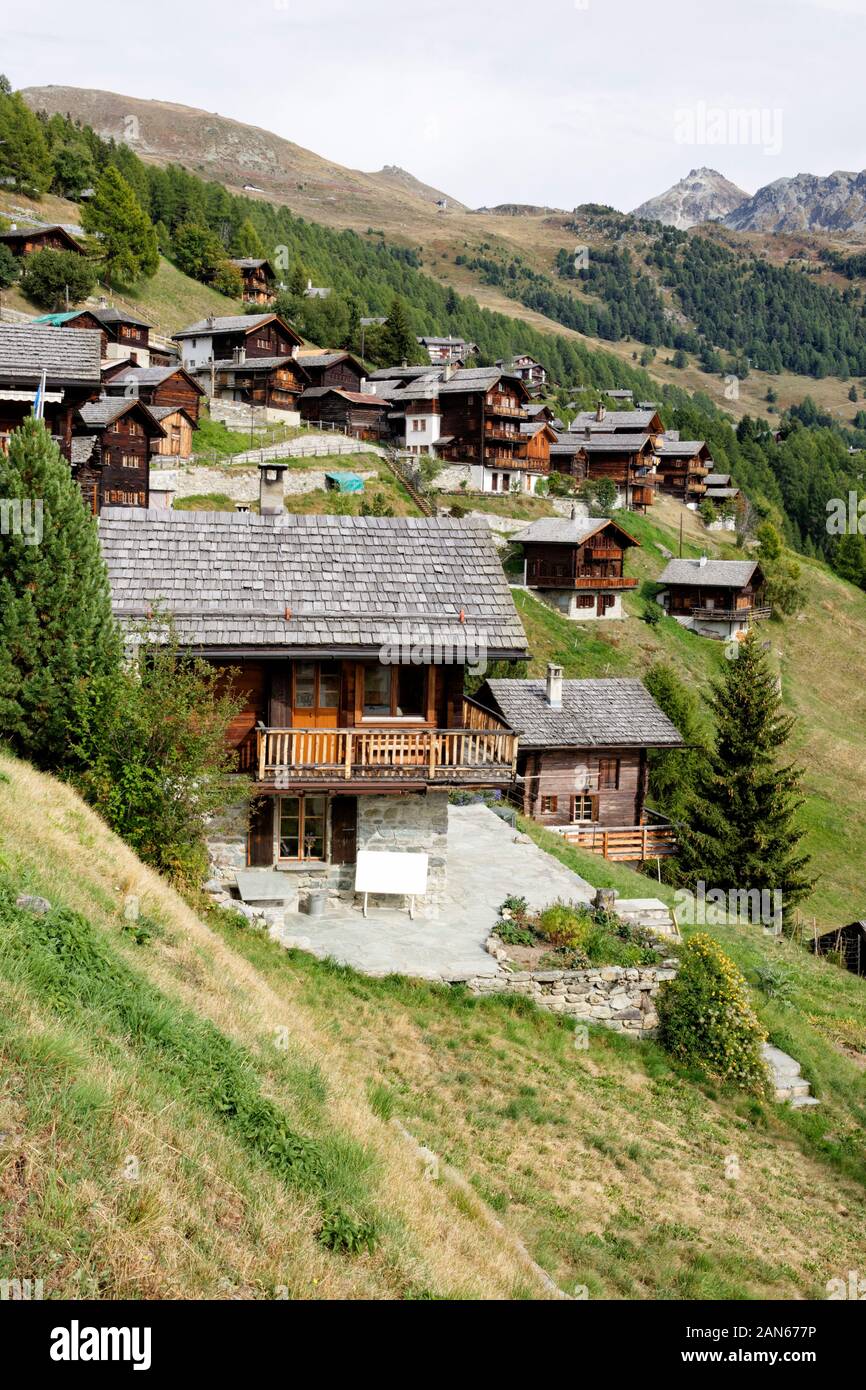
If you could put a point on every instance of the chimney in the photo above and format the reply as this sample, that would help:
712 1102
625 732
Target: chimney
271 488
702 561
296 351
448 371
587 432
554 685
210 321
574 511
599 412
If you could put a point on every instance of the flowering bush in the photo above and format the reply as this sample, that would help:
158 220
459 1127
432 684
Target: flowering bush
705 1016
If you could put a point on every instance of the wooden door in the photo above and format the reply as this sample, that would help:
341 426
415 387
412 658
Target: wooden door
260 840
344 829
316 705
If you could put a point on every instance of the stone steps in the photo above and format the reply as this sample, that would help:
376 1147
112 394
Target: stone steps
788 1084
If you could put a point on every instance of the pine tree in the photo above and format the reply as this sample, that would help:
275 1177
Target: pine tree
849 558
740 830
126 243
247 242
400 342
57 634
24 153
674 774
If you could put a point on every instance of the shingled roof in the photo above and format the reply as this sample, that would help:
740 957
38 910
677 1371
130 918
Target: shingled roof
614 443
616 713
613 420
26 352
98 415
225 323
246 583
717 574
558 530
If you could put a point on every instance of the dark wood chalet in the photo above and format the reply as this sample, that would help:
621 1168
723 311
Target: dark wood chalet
234 338
161 386
125 338
577 565
341 369
362 415
627 460
718 598
23 241
260 281
112 449
582 761
350 637
603 421
71 363
683 466
269 383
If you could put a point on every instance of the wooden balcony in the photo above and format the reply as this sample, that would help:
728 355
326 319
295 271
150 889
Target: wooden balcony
727 615
370 757
510 411
582 581
625 843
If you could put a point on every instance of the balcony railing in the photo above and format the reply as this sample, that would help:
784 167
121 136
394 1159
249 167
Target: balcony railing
626 843
581 581
727 614
513 412
385 755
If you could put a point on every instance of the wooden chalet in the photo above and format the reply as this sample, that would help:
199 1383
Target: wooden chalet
341 369
23 241
604 421
360 414
448 351
350 636
125 338
270 384
577 565
71 363
236 337
627 460
260 281
156 386
111 452
721 488
683 466
718 598
473 415
530 371
582 764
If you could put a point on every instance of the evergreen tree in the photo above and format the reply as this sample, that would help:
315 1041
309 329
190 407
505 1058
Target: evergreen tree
24 155
849 559
57 634
399 342
10 268
740 830
126 244
674 774
57 279
247 242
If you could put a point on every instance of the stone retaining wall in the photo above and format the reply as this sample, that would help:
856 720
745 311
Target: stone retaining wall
616 996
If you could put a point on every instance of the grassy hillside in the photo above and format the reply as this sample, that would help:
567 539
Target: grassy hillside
817 656
606 1165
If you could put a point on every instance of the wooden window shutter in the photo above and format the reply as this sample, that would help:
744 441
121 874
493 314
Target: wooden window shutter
260 840
344 829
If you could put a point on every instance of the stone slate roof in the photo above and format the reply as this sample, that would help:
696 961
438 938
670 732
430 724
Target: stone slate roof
161 412
558 530
249 364
613 420
26 351
249 263
348 583
724 574
679 448
97 415
718 480
226 323
614 443
618 713
118 316
356 397
721 493
396 373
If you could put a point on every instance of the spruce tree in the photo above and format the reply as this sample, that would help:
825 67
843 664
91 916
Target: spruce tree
399 341
24 155
740 830
58 638
126 239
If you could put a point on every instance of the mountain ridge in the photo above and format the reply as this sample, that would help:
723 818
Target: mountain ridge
704 195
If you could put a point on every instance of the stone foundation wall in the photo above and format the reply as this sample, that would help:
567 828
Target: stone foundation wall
227 842
416 823
616 996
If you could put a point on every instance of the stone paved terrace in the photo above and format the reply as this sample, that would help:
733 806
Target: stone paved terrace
487 860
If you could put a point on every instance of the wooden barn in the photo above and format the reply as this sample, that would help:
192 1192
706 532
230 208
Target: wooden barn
340 369
359 414
846 943
582 765
23 241
178 426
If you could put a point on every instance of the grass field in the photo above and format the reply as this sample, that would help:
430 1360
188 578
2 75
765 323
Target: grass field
607 1165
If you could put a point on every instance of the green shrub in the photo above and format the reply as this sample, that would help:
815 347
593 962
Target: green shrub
705 1017
566 928
57 279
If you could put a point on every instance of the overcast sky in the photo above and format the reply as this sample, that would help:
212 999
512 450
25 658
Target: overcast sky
541 101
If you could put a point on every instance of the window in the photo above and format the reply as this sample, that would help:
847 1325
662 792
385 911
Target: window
582 808
584 600
608 774
394 692
317 686
548 805
134 427
131 461
302 827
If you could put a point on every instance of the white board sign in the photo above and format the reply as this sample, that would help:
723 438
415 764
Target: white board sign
382 871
